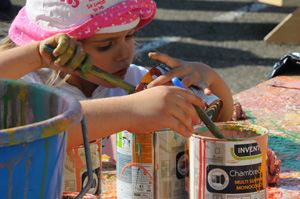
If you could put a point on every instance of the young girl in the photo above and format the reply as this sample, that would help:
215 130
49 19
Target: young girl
101 33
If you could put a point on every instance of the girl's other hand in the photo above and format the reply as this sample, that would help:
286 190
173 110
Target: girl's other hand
190 73
163 107
68 55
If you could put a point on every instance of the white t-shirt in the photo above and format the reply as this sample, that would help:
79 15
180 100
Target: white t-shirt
133 76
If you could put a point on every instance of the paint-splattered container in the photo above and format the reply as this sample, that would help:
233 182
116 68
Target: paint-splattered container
152 166
234 167
33 122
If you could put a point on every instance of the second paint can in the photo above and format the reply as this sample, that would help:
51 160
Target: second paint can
152 166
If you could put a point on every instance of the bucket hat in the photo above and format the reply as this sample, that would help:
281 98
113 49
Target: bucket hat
40 19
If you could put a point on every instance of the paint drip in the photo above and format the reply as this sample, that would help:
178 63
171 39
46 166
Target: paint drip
235 167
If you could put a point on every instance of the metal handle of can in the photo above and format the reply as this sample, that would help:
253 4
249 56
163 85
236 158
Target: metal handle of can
88 159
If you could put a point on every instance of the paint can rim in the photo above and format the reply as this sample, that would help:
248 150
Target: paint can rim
20 134
260 130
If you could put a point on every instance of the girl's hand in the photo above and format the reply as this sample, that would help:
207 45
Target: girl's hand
190 73
163 107
68 55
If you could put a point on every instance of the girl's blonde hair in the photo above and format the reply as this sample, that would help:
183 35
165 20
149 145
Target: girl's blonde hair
6 44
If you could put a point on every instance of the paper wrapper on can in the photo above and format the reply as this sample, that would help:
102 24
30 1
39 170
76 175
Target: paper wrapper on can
75 176
213 104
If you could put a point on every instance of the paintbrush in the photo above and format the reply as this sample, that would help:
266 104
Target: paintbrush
101 74
131 89
203 116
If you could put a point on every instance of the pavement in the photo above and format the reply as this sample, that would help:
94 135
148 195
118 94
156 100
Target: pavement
225 34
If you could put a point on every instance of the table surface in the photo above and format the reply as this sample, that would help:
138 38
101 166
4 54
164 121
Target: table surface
275 105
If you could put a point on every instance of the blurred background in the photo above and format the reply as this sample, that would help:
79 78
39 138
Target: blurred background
228 35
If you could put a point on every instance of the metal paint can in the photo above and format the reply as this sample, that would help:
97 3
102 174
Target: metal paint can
152 166
76 173
231 168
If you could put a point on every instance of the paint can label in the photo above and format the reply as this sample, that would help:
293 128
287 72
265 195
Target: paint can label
75 175
133 181
151 166
228 169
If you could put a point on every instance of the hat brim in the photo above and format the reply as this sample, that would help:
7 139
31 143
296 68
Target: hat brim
23 30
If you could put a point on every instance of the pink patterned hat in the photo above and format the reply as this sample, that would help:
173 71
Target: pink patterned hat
40 19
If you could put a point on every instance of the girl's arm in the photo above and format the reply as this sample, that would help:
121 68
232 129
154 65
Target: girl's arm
152 109
17 62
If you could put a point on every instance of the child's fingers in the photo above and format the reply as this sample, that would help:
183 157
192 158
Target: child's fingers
77 59
166 59
204 87
185 104
65 52
63 43
177 126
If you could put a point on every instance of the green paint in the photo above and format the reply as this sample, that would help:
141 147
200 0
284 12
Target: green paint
22 96
175 135
119 139
251 116
286 151
286 147
244 158
5 103
39 99
292 135
83 75
13 111
140 150
139 169
45 167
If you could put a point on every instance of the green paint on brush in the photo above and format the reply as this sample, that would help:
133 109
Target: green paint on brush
45 167
209 123
112 79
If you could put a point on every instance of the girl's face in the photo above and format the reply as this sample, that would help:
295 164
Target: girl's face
112 52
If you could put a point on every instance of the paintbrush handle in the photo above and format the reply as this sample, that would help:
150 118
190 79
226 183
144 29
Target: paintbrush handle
203 116
112 79
102 74
209 123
